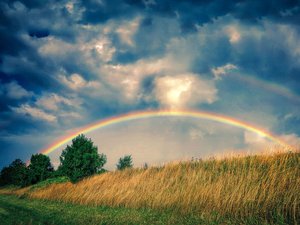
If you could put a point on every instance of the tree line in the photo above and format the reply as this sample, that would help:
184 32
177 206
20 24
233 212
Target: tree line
77 161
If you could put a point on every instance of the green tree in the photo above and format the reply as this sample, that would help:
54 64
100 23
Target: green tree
15 173
40 168
81 159
125 162
5 176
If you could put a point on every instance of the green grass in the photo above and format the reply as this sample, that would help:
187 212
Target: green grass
14 210
49 181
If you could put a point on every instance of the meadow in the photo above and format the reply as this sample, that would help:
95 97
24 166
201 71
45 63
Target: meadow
257 189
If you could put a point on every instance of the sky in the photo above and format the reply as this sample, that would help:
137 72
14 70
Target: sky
66 64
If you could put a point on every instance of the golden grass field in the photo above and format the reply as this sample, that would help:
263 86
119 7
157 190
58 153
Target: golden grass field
245 186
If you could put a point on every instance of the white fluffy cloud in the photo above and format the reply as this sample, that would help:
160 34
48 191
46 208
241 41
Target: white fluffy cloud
15 91
258 142
254 139
233 33
127 78
218 72
127 30
105 49
54 47
52 101
292 139
76 81
183 91
51 108
34 112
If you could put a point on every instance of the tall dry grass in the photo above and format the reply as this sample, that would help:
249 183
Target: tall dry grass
262 185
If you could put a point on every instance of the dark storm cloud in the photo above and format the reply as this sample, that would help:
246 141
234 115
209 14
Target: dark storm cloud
11 44
272 57
201 12
267 50
151 38
33 67
285 11
191 12
12 27
31 21
22 23
31 4
18 124
101 11
39 33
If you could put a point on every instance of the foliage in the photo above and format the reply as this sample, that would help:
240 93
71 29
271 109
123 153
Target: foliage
16 174
125 162
40 168
58 173
81 159
45 183
6 176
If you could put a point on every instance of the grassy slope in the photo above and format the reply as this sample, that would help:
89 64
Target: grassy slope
14 210
261 187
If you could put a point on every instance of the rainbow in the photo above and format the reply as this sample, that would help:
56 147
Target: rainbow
267 85
164 113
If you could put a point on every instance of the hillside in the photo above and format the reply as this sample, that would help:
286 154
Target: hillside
262 186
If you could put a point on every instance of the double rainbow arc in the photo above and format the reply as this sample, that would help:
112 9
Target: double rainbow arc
164 113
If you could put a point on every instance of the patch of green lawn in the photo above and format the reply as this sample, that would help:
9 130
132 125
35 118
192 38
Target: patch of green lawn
15 210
